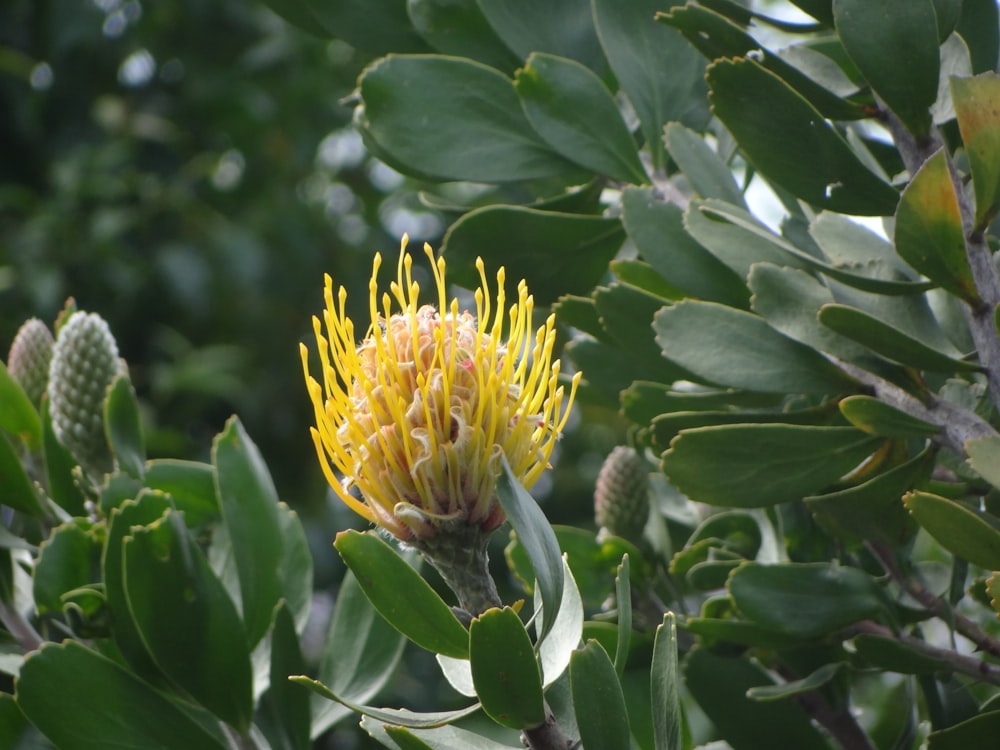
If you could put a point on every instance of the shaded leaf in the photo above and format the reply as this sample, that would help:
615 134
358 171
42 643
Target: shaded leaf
101 704
284 712
190 484
623 601
897 52
661 74
817 679
978 732
555 253
708 174
790 142
563 637
18 415
895 656
401 596
69 559
123 427
18 491
806 600
450 118
59 464
458 27
984 457
504 669
573 111
979 26
765 464
598 702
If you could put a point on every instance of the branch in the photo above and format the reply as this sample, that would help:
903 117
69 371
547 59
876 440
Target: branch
957 425
983 641
967 665
840 723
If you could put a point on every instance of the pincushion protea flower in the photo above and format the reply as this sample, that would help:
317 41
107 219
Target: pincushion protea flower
419 415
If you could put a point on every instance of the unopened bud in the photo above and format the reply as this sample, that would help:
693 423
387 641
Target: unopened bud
29 358
621 498
84 363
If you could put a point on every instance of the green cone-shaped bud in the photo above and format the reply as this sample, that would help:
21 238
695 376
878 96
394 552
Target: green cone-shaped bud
29 358
621 498
84 363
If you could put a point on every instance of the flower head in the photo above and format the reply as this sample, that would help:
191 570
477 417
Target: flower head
419 415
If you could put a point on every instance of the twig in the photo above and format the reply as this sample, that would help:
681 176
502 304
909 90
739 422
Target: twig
933 604
967 665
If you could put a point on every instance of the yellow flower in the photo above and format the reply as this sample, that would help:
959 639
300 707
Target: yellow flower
419 415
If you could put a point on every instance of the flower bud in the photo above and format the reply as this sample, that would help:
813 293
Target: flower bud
29 358
84 364
621 497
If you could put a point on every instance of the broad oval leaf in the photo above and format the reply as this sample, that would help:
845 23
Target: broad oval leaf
737 349
69 559
805 600
765 464
598 702
573 111
401 596
929 234
504 669
555 253
895 46
662 75
791 143
458 27
984 457
450 118
18 416
190 484
878 418
965 533
186 620
977 107
102 705
18 490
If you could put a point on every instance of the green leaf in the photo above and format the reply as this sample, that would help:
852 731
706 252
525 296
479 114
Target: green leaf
450 118
190 484
888 341
878 418
978 116
737 349
712 631
765 464
575 114
929 234
895 656
979 26
400 716
657 229
978 733
59 464
665 427
984 458
895 46
438 738
284 713
623 601
401 596
555 253
539 541
378 27
789 142
18 416
101 705
873 509
69 559
186 619
17 732
361 654
662 75
735 531
707 173
965 533
719 685
123 427
146 508
249 505
555 650
598 702
504 669
665 684
16 488
717 36
459 28
813 681
627 316
559 27
805 600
